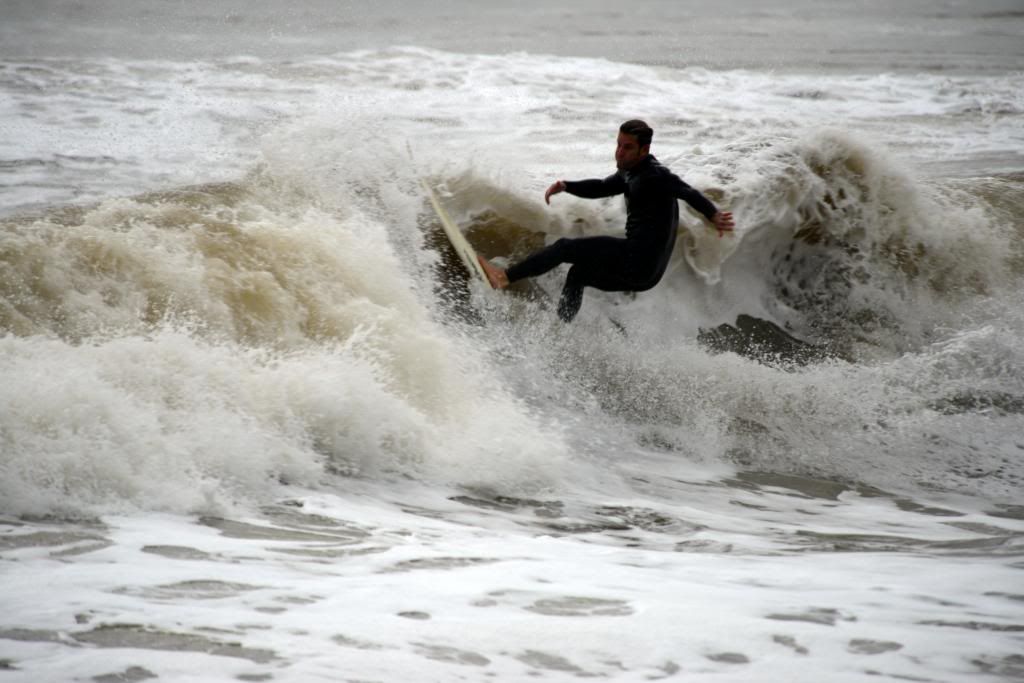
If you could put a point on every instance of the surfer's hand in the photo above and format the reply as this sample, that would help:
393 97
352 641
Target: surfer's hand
723 222
556 187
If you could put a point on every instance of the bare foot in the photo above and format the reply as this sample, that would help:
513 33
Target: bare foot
495 275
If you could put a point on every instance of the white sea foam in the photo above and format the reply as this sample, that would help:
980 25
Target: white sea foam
109 127
316 259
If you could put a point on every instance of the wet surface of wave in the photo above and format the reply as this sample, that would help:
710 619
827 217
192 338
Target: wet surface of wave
242 620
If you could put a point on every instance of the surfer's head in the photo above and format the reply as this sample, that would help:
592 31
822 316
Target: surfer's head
633 144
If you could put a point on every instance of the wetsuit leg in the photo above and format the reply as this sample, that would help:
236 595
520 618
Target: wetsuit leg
608 275
572 294
600 262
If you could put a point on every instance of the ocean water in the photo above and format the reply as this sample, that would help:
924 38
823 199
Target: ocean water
255 424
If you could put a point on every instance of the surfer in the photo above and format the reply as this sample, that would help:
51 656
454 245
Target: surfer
636 262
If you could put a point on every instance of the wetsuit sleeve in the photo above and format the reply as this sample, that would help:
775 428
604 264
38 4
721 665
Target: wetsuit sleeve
694 198
595 189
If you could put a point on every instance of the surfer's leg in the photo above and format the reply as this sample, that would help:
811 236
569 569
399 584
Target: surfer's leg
580 250
540 262
596 262
572 294
599 262
581 276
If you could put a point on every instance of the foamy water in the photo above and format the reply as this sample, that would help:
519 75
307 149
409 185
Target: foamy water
254 426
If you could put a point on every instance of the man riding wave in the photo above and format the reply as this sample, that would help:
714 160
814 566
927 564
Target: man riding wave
633 263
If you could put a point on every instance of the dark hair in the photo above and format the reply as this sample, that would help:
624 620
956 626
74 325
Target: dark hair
639 129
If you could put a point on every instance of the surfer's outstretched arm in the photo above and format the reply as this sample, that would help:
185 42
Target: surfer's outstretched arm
588 189
495 275
722 220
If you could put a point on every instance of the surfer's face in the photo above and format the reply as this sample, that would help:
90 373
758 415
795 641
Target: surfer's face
628 152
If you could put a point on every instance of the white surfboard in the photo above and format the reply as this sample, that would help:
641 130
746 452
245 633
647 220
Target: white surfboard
458 241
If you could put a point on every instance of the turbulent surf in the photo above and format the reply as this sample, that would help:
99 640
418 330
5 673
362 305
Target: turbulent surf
253 410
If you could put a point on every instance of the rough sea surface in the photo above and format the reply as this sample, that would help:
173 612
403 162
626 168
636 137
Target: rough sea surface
257 425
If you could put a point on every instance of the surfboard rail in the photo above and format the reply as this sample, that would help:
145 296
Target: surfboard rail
458 241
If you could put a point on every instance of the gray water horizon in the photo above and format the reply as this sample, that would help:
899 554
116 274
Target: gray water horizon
955 36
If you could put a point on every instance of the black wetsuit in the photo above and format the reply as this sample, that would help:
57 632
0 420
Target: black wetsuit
615 264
